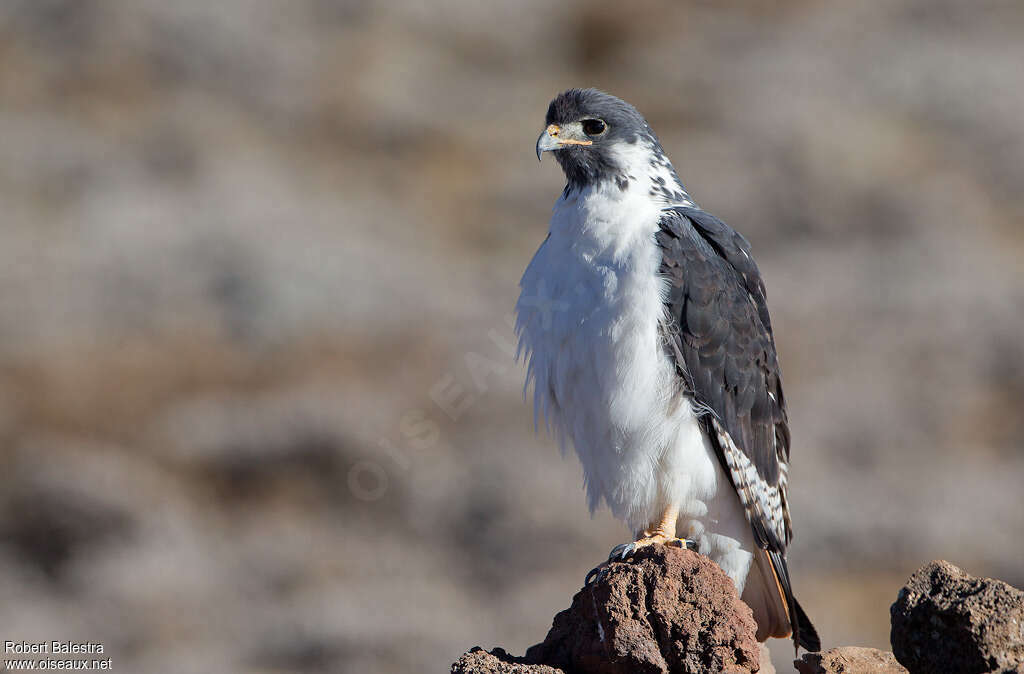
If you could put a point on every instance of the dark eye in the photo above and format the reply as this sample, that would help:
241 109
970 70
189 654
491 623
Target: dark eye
593 127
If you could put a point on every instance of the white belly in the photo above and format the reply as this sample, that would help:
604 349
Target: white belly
588 319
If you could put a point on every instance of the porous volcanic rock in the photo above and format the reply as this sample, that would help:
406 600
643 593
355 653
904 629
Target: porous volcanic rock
479 661
849 660
945 620
665 610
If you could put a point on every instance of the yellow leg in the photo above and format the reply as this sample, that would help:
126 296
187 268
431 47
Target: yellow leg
662 531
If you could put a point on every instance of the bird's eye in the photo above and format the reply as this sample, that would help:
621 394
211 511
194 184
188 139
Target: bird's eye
593 127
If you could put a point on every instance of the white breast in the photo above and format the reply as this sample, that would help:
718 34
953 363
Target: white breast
588 317
588 323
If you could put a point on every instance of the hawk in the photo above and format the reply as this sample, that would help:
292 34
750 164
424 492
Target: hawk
644 323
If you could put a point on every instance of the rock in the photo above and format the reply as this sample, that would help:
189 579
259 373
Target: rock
479 661
849 660
945 620
665 610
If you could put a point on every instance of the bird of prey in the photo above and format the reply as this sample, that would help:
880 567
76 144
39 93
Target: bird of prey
644 323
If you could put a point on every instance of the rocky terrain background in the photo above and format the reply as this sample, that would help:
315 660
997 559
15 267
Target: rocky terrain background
258 410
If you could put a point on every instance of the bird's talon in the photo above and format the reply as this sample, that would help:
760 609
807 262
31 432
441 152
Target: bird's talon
621 552
594 575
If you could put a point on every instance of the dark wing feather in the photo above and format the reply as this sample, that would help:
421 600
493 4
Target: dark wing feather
725 353
719 335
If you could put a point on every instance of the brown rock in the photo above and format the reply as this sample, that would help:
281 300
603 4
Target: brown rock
479 661
665 610
849 660
945 620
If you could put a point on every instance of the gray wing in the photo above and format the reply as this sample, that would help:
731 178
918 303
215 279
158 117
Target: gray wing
719 335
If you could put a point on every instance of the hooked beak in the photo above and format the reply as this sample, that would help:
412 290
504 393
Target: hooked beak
548 140
555 138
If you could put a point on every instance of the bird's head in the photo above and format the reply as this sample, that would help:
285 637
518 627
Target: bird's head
596 136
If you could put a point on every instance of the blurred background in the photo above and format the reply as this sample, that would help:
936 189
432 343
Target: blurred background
258 406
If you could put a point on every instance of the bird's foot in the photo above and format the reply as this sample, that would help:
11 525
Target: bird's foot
624 551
